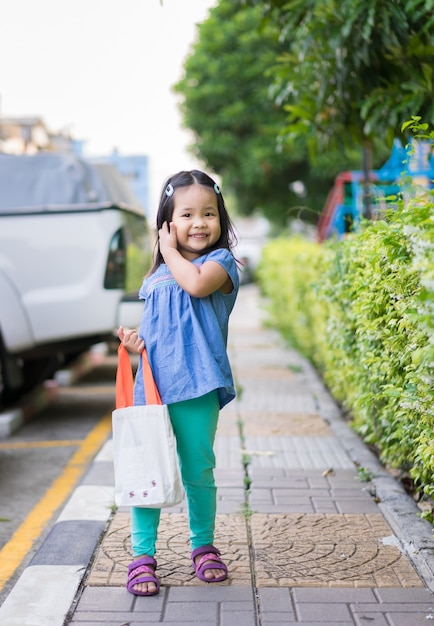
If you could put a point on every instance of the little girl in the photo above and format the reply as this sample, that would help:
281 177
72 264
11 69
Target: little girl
189 294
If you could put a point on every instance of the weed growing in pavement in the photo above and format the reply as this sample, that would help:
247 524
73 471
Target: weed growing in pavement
246 460
241 430
246 511
364 474
239 390
295 369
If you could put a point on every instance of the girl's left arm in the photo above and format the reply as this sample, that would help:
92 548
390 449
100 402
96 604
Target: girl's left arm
198 281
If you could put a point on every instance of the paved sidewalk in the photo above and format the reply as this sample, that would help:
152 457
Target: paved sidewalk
305 540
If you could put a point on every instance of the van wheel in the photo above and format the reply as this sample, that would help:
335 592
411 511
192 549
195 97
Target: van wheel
11 377
35 371
18 376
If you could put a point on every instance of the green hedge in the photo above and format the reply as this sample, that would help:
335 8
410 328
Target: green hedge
362 310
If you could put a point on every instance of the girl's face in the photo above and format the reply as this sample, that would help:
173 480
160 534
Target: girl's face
197 219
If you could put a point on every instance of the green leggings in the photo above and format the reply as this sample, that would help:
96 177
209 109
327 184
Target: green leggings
194 423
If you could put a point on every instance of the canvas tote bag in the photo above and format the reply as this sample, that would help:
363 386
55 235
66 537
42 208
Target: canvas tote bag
144 445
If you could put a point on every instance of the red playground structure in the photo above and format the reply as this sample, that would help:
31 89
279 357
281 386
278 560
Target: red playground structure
344 205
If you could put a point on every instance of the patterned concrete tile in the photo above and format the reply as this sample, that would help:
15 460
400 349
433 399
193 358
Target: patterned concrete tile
328 551
111 562
257 423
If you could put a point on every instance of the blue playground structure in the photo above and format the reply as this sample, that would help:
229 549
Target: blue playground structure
344 204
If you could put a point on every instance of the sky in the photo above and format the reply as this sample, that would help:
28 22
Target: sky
103 71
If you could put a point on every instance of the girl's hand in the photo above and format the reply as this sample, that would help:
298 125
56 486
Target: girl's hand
167 237
131 340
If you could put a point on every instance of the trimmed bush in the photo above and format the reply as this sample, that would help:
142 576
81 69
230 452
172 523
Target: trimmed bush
362 310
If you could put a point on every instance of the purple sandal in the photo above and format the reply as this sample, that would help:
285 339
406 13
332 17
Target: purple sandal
146 565
208 553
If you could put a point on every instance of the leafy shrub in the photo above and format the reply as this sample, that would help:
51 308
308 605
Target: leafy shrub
362 310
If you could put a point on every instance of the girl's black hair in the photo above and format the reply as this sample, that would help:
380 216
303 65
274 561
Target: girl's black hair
227 238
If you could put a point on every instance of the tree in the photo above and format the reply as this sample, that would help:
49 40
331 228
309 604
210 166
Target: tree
353 69
226 102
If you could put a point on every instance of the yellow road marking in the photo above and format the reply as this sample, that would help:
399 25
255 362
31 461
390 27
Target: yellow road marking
40 444
21 542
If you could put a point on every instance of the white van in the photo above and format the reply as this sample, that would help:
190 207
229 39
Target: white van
74 247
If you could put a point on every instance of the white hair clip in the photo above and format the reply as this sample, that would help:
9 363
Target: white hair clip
217 189
169 190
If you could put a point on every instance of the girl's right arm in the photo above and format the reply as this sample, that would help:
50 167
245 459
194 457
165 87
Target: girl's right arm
131 340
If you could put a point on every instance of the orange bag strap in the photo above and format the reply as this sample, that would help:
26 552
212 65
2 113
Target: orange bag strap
151 391
125 384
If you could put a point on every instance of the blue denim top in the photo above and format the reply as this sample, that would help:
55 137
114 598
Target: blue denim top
186 337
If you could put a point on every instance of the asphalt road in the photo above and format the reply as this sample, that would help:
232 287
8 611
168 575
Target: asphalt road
42 462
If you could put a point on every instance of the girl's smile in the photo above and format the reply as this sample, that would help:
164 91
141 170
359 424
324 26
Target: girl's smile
197 220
